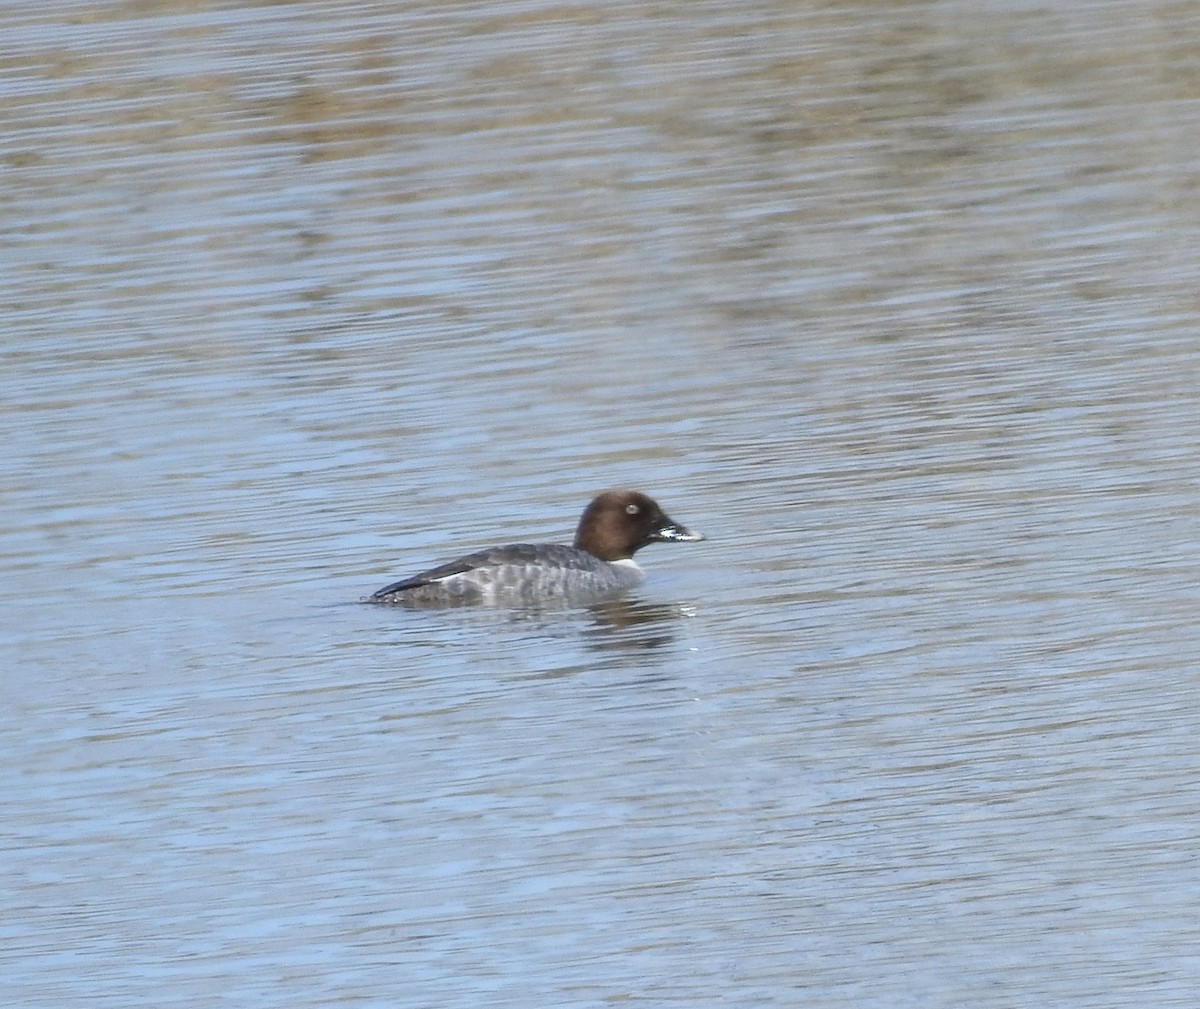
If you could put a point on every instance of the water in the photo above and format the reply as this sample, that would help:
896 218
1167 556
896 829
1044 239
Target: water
895 302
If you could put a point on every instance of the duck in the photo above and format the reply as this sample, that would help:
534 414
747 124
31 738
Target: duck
599 563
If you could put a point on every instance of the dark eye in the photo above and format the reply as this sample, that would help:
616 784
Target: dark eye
632 509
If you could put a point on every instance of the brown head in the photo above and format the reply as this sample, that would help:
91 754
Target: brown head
618 523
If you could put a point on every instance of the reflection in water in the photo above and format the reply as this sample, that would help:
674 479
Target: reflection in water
615 624
629 624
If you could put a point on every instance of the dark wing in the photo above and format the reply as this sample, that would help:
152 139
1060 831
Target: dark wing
514 555
454 567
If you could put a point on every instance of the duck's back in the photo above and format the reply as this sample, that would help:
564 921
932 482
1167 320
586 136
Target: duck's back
519 572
